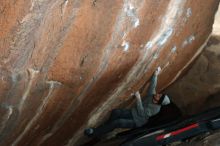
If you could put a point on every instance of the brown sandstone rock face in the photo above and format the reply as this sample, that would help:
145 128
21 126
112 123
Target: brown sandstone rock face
65 63
199 89
192 91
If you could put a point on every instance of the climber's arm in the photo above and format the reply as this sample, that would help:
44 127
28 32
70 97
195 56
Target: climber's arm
153 83
139 103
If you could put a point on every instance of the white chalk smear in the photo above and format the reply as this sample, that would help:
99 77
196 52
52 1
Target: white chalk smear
188 12
165 36
132 14
188 40
39 111
173 50
148 45
64 6
125 45
191 39
32 73
136 23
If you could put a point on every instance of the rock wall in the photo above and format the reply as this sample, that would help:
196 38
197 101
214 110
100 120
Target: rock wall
191 92
65 63
199 88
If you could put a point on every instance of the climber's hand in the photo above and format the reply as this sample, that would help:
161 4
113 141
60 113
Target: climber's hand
157 71
137 94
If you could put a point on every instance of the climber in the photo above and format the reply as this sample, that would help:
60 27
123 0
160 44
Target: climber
136 116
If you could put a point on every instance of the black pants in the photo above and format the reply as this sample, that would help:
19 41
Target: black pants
120 118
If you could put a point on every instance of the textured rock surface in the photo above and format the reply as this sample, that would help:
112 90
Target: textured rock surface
65 63
192 91
199 89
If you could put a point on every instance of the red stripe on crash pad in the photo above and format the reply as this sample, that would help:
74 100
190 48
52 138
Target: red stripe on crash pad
160 137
